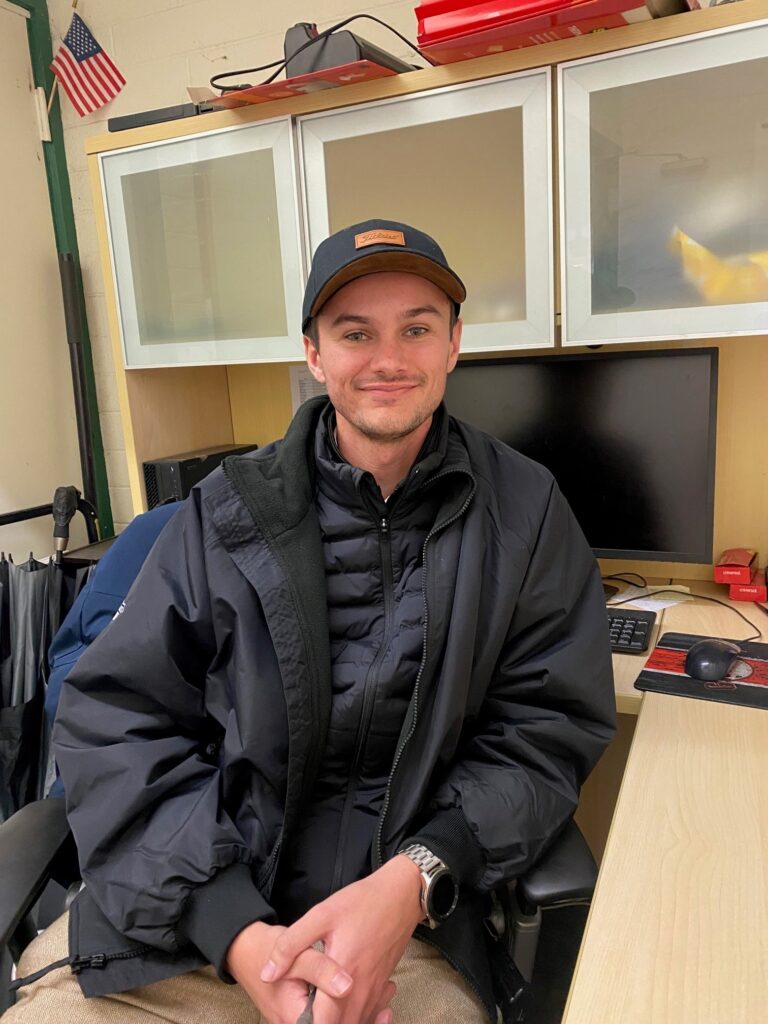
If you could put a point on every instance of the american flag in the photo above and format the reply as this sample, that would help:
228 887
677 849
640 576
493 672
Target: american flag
84 71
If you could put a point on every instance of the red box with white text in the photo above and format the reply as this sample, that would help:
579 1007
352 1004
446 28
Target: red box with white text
736 565
755 590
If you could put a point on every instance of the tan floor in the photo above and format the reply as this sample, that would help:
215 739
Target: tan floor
429 991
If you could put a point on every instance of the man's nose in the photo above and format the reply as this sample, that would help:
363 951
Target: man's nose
388 354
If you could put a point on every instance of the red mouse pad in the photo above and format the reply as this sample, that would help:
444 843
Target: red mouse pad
746 683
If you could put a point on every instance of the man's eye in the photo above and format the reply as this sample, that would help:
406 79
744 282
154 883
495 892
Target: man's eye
355 336
416 331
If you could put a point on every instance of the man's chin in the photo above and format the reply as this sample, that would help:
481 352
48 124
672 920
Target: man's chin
386 428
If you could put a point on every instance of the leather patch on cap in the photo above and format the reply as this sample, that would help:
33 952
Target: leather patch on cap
379 237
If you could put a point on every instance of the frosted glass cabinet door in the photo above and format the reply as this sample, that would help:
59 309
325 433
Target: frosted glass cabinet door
205 246
664 172
469 164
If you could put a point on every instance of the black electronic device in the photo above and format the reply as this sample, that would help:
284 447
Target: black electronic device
157 116
173 477
711 659
629 437
630 631
332 51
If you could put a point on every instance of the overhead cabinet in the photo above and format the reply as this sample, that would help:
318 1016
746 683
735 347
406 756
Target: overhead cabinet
664 190
205 247
469 164
663 203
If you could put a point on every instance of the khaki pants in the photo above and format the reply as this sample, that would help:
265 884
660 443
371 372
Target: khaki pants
429 991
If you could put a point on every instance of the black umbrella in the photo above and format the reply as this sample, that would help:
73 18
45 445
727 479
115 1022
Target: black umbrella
34 598
28 591
23 729
23 754
5 633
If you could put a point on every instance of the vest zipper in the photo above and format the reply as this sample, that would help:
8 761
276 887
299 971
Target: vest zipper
369 696
268 873
378 852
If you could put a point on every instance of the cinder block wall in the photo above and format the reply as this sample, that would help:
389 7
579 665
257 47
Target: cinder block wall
161 47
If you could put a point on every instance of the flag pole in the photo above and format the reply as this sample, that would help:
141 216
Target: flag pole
55 85
52 97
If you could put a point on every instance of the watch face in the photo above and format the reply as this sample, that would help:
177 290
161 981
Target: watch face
443 894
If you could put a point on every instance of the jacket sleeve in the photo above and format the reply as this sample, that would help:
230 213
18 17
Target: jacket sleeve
162 859
548 714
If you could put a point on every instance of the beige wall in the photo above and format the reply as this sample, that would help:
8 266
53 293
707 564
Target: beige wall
161 47
38 429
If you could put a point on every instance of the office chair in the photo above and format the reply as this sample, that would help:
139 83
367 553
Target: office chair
36 847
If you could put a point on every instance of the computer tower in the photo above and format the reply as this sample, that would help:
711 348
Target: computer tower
172 478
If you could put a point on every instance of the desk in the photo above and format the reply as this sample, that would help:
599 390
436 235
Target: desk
678 928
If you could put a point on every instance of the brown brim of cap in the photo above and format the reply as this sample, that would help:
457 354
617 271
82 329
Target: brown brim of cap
392 261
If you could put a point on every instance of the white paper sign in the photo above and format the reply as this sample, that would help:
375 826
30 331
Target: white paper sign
303 386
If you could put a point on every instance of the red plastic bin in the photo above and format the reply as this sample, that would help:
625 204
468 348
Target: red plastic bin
453 30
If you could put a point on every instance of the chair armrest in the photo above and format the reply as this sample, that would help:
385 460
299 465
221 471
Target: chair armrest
565 874
30 842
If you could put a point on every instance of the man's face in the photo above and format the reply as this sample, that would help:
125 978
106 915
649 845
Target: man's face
385 350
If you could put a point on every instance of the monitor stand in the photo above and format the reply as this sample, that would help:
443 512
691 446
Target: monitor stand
609 591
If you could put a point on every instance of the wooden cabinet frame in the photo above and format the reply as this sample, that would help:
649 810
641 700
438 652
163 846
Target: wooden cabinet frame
166 411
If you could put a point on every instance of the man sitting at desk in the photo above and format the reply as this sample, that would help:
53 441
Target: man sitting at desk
356 686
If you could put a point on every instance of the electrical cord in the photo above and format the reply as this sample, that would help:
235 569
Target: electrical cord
244 71
621 577
700 597
280 64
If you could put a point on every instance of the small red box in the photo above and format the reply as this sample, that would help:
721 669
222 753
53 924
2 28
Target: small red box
736 565
755 590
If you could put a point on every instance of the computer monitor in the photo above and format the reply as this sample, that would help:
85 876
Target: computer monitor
629 437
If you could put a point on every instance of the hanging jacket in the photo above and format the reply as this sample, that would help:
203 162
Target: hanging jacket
98 601
190 733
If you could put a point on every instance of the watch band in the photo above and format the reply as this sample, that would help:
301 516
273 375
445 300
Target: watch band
434 872
423 858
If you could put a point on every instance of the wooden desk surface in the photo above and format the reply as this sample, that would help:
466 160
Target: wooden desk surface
678 929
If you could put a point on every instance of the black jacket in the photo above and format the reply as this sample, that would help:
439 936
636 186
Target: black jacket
189 734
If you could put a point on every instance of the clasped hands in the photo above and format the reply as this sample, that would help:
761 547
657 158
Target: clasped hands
364 929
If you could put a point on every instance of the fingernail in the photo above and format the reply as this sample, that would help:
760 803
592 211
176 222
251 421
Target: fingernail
341 983
269 971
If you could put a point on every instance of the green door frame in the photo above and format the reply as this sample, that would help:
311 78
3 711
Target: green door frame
41 52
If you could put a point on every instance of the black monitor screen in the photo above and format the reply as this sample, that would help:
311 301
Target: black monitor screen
629 437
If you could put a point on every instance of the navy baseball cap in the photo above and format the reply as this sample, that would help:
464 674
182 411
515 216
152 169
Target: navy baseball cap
370 248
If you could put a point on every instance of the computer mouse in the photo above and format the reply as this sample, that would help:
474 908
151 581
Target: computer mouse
711 659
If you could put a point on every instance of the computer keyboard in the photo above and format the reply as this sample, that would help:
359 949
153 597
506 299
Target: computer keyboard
630 631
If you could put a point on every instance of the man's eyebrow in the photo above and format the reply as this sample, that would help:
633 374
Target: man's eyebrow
409 314
350 318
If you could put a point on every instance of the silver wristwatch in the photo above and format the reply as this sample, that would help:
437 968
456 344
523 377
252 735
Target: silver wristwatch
439 888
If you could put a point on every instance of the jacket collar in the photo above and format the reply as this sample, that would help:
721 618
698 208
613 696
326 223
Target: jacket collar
277 483
349 485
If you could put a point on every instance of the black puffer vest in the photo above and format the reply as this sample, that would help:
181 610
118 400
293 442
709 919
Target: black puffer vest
373 569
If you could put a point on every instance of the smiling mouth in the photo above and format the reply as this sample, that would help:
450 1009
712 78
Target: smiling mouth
389 388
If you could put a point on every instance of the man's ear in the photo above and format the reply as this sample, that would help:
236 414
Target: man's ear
314 362
455 345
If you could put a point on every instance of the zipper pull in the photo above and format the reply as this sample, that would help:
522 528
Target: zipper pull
384 525
97 960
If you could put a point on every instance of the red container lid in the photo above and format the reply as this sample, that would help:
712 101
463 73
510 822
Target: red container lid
440 20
